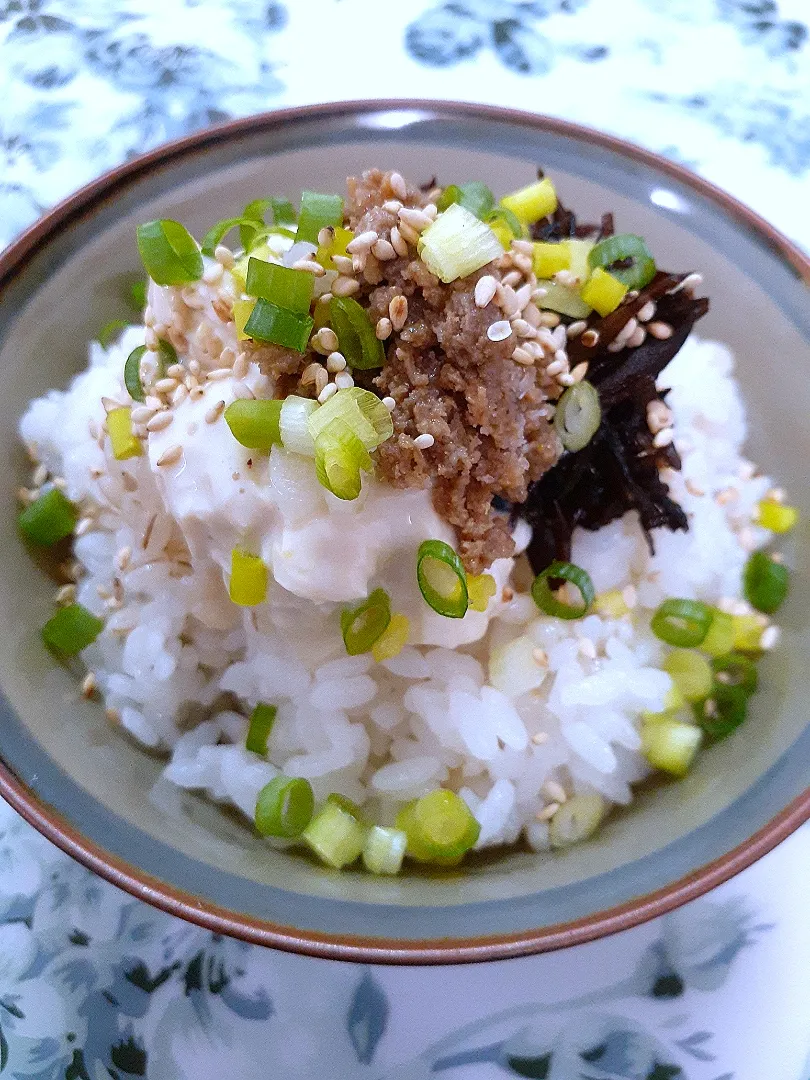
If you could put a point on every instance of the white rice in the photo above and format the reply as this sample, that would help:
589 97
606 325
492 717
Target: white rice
537 710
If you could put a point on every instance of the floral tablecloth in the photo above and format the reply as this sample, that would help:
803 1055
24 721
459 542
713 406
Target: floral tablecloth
95 985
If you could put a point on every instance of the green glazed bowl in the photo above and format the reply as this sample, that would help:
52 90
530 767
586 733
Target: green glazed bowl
87 788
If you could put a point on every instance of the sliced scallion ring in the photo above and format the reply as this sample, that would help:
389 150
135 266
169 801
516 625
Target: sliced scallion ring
356 337
364 625
217 233
736 669
255 423
71 629
317 212
473 196
339 458
132 374
261 724
442 579
440 828
550 604
169 252
278 326
765 582
723 712
578 415
284 807
614 251
290 289
110 331
683 623
48 519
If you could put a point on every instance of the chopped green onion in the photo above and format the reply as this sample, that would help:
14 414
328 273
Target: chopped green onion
723 712
531 203
217 233
137 295
552 605
254 423
671 745
356 337
335 835
393 639
501 219
169 252
108 333
363 411
124 443
611 252
48 519
578 415
720 638
457 243
293 425
364 625
440 828
341 238
684 623
278 326
132 374
777 517
339 458
283 211
288 288
384 850
473 196
577 819
603 291
317 212
691 673
261 723
441 578
71 629
564 299
248 585
242 310
166 353
747 633
284 807
736 669
549 258
480 590
253 221
765 582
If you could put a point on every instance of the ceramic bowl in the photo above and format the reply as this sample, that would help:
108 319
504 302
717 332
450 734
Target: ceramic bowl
87 788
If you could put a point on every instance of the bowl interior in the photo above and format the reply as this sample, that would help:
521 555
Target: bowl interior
102 784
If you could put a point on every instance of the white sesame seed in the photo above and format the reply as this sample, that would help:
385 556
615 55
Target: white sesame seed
565 277
328 391
83 525
196 392
309 373
566 379
548 812
212 274
512 278
218 374
383 329
690 282
359 262
165 386
521 356
693 488
398 243
393 206
554 790
215 412
522 328
423 442
224 256
398 185
538 294
160 422
659 416
176 371
540 738
362 243
180 395
549 319
194 367
646 312
123 558
170 456
384 251
66 594
580 371
148 316
321 379
576 328
344 381
109 404
343 264
335 361
660 330
345 286
663 438
415 219
372 271
89 684
408 233
500 330
637 338
523 247
557 367
389 403
485 289
432 210
398 312
242 391
310 265
326 235
523 296
590 338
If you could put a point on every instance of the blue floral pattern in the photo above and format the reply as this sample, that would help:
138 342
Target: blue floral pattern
95 986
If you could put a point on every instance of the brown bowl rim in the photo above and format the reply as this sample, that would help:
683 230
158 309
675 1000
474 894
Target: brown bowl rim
358 949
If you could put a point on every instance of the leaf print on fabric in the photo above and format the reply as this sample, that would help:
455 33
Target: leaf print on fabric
444 36
759 23
367 1017
521 48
